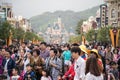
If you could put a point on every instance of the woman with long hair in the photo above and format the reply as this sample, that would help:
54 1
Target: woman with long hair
93 71
38 63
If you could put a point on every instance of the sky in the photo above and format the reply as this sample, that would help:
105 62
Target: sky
29 8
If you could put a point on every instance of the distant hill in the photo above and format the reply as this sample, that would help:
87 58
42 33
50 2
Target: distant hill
69 18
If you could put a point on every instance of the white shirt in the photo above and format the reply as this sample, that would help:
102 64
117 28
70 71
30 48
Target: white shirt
45 78
90 76
15 77
25 63
5 68
79 69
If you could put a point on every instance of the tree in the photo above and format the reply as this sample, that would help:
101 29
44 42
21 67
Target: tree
75 39
78 27
90 35
19 33
5 29
31 36
103 34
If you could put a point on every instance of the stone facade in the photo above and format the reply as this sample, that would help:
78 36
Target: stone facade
113 12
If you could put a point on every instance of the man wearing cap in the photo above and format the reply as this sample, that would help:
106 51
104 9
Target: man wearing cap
83 52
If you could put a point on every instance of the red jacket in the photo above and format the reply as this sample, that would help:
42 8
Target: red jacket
70 73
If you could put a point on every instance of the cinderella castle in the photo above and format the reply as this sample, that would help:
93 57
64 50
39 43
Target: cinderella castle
56 33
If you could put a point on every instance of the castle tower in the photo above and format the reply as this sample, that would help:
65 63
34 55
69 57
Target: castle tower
59 20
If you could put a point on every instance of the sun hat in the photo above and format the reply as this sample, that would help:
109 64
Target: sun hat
83 48
95 51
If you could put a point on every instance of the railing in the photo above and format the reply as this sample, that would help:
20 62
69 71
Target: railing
6 4
108 0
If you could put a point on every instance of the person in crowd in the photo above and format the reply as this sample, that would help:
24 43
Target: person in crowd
114 70
30 74
16 55
70 73
53 64
3 52
94 53
59 77
59 55
108 64
24 46
48 47
101 52
67 55
119 66
1 60
15 74
28 60
83 52
8 64
74 45
44 52
45 75
92 70
108 53
116 56
79 65
38 63
36 47
20 62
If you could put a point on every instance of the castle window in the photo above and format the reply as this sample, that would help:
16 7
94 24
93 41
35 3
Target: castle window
113 13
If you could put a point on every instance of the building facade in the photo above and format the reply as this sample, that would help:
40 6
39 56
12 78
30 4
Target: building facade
103 15
113 12
89 24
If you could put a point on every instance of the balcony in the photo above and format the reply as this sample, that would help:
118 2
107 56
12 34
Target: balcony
109 0
7 4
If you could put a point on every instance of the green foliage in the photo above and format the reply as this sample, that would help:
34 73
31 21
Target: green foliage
19 33
5 29
69 18
90 35
31 36
78 27
75 39
103 34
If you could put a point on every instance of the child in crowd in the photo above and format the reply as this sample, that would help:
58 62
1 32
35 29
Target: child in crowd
30 74
60 77
114 70
107 64
45 75
15 74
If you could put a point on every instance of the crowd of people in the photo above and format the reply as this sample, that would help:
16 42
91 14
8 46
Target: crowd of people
43 61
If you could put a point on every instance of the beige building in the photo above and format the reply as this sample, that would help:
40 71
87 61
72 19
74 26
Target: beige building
113 12
23 23
89 24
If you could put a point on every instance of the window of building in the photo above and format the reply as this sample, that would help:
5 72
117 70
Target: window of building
118 6
112 2
113 13
118 14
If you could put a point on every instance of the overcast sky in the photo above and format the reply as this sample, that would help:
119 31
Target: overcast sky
29 8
